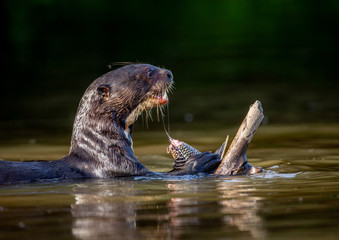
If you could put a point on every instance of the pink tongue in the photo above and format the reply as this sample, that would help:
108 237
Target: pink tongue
162 99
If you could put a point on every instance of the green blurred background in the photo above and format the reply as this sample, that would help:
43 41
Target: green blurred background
223 54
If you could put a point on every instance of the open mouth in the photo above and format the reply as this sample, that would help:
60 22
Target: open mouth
158 96
160 99
155 98
152 101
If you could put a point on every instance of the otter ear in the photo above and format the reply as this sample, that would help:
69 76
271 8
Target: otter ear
104 90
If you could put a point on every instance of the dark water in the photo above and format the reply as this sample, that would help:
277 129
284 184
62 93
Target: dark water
297 197
224 55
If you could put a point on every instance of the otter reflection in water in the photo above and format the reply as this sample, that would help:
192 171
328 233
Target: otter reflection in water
166 209
101 145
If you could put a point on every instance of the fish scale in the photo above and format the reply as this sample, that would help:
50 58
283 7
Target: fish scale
183 151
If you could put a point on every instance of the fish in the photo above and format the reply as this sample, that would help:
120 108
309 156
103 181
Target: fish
182 151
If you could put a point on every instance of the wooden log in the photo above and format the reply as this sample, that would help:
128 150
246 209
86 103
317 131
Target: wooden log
235 157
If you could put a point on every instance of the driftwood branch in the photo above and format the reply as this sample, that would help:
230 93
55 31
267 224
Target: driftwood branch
235 156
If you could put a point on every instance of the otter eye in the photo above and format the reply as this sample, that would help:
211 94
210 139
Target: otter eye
104 90
150 72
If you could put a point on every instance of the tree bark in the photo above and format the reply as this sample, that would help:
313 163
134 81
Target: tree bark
235 156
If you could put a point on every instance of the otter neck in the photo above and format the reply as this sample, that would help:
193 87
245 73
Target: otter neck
103 147
92 123
98 134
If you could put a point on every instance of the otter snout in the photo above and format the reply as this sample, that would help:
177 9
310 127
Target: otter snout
167 74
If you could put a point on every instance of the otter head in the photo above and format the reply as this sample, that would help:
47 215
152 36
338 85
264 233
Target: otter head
121 96
128 91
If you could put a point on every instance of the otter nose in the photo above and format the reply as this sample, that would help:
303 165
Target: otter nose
169 75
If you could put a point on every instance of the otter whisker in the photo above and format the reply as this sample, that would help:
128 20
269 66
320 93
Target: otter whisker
146 118
146 115
170 88
168 120
149 114
118 64
162 111
158 109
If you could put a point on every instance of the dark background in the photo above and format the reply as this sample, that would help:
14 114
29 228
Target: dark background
223 54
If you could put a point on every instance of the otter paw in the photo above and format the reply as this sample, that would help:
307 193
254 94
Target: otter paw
200 163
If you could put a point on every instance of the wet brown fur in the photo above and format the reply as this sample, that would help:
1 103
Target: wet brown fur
101 144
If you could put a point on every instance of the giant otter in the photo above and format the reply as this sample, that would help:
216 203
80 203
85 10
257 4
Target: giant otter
101 145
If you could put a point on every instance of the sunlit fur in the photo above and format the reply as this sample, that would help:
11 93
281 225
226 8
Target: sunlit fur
102 128
101 144
147 112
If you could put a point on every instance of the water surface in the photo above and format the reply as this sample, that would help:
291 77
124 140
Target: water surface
297 197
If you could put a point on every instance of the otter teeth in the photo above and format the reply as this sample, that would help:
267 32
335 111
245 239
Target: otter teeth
164 96
160 99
